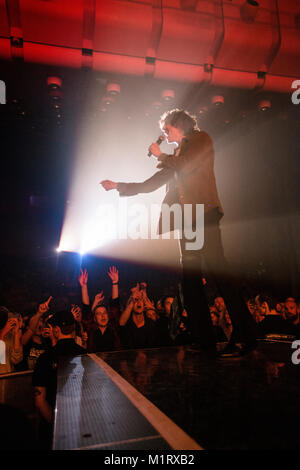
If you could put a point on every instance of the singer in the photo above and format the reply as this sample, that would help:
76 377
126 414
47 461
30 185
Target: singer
189 176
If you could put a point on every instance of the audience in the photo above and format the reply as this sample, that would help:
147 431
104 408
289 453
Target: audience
89 324
268 319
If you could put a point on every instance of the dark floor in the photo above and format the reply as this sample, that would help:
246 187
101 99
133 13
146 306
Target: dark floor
250 403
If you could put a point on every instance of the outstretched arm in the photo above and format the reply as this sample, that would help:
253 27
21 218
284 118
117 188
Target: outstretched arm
151 184
82 279
114 276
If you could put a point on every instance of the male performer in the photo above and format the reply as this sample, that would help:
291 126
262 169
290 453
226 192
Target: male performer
190 179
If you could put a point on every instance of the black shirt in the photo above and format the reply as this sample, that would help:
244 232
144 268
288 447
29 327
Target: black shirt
99 341
45 372
275 324
133 337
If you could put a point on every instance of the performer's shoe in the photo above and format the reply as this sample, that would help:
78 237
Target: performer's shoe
235 351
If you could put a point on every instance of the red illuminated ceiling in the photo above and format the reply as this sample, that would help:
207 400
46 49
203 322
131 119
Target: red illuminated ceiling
217 42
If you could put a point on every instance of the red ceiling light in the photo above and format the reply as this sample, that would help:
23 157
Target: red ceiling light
217 100
54 82
264 105
168 95
113 89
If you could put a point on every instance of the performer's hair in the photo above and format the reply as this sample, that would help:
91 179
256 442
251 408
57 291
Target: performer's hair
179 118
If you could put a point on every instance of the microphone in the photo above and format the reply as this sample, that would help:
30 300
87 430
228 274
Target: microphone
159 141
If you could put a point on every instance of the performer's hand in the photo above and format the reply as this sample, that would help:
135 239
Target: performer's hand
108 185
155 150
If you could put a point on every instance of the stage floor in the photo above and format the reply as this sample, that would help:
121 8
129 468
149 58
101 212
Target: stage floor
172 398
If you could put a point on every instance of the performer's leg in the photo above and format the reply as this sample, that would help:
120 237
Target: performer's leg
195 300
244 326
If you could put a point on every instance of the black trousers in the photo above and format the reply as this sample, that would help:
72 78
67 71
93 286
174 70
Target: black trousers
211 260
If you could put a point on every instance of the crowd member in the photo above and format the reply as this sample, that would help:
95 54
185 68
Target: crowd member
44 378
39 342
224 319
149 306
218 330
290 312
10 340
137 330
250 302
37 337
103 336
81 336
101 321
163 322
272 322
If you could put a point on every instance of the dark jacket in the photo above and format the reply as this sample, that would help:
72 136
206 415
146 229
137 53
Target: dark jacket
189 176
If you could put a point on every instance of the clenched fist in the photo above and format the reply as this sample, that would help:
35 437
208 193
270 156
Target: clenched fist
108 185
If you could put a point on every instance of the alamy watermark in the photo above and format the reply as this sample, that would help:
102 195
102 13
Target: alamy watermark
296 354
138 221
2 92
2 352
296 94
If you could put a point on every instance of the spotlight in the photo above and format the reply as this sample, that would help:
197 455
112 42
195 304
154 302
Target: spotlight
264 105
168 95
58 250
113 89
249 11
217 100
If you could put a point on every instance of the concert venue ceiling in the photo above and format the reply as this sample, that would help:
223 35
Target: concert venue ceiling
236 43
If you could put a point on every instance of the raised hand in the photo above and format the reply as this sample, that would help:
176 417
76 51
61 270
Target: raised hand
17 328
113 274
44 307
98 299
108 185
76 312
83 277
9 326
48 333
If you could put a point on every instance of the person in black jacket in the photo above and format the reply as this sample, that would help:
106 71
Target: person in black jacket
189 175
44 379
